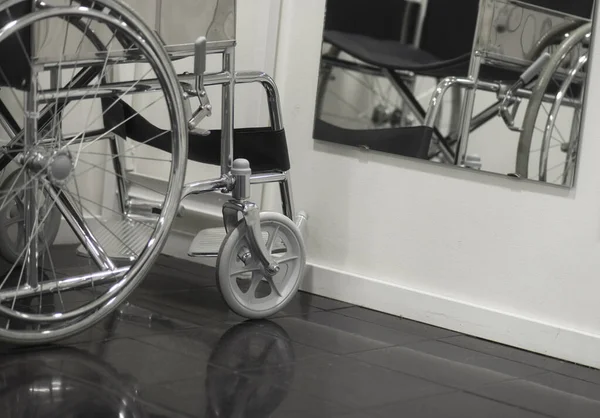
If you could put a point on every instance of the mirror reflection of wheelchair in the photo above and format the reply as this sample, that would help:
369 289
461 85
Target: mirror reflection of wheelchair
399 77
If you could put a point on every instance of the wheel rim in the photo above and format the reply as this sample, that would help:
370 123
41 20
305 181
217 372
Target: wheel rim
251 288
549 141
379 105
70 155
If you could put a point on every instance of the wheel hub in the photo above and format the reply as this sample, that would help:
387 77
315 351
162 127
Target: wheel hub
57 166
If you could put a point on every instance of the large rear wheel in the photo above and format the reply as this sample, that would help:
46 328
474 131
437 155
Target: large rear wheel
64 131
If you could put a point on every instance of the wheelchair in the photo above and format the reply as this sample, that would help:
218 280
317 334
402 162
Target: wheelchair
99 128
534 51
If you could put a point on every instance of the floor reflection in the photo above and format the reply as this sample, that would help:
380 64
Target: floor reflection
178 352
67 382
264 347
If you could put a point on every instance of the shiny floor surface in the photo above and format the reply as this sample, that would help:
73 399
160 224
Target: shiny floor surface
176 351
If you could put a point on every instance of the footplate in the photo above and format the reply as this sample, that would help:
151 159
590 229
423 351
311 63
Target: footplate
208 243
122 240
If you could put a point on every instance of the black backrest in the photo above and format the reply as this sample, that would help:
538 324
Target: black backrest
582 8
381 19
449 27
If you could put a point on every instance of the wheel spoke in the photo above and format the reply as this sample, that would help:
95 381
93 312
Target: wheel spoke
255 281
286 260
13 221
245 271
271 281
271 241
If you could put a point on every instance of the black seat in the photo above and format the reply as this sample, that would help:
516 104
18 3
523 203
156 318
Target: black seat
447 41
446 45
395 55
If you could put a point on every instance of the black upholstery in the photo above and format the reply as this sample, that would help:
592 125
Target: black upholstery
409 142
447 36
378 19
395 55
265 148
15 51
581 8
449 28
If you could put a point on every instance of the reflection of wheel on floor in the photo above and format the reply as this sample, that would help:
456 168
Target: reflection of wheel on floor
265 349
241 279
12 219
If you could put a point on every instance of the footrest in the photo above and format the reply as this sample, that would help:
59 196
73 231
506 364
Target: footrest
207 243
122 240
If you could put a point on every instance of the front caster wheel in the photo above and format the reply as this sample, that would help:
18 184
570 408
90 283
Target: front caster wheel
241 278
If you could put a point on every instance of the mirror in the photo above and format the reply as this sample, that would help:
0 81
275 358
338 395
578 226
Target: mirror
490 85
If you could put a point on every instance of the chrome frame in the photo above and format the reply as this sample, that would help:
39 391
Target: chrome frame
110 273
96 310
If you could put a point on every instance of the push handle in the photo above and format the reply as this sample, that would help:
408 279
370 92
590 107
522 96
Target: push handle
205 109
535 69
200 56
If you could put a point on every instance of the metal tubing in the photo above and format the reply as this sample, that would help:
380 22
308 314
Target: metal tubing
264 178
485 116
116 148
31 208
129 57
227 124
72 283
128 87
419 113
79 227
213 185
287 198
360 68
466 114
435 103
275 113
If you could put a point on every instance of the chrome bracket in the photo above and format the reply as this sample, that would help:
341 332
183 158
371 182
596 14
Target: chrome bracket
205 109
509 94
241 207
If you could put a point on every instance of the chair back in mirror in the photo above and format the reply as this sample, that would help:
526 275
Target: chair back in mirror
449 28
581 8
380 19
510 32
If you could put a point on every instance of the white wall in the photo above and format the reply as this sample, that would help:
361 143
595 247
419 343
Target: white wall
510 261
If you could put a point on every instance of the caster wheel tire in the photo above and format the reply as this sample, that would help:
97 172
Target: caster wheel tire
241 279
12 219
